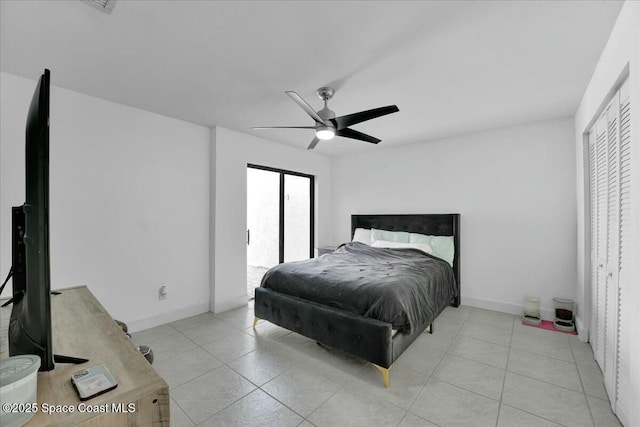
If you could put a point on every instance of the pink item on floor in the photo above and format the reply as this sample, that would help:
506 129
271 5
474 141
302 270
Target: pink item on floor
548 325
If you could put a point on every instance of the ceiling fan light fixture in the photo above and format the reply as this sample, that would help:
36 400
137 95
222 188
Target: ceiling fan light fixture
325 133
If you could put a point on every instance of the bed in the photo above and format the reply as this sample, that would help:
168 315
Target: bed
337 325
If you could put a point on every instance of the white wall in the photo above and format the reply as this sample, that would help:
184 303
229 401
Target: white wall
129 193
620 56
514 189
233 151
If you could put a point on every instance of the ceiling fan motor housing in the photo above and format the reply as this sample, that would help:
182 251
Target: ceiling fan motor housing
326 93
327 114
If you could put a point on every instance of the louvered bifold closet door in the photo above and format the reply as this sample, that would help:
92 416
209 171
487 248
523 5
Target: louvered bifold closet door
621 405
613 246
610 173
601 239
593 202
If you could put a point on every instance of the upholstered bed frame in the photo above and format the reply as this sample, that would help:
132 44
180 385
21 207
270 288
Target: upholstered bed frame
370 339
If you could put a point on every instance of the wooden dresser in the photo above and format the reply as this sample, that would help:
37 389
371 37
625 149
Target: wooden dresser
83 328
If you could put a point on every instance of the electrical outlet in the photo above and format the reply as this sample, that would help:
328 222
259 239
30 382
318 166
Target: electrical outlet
162 293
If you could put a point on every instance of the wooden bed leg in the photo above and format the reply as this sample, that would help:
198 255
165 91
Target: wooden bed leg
385 374
255 321
385 377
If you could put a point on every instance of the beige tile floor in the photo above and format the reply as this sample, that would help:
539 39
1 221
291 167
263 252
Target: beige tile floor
480 368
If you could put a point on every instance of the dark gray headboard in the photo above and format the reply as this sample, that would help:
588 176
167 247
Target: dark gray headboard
430 224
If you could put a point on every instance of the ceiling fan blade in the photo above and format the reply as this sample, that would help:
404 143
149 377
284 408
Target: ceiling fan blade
354 134
306 107
313 144
283 127
352 119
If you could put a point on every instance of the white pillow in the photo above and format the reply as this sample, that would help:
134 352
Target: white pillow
442 245
424 247
389 236
362 235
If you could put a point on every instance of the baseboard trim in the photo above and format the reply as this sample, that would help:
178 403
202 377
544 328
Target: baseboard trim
622 413
583 332
504 307
230 304
171 316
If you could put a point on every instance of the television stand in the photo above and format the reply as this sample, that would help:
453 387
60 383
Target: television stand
80 325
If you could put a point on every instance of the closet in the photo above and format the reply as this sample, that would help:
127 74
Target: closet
610 169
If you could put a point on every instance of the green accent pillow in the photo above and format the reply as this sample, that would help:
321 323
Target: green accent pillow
389 236
442 246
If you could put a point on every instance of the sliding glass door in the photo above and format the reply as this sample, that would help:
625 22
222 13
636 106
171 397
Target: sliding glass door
279 220
263 219
297 218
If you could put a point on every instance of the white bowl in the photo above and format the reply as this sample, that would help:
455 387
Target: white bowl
19 388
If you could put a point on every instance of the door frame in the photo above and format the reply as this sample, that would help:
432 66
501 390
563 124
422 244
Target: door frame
312 209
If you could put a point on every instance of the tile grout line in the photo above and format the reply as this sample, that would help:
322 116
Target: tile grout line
229 405
435 368
429 376
504 379
584 390
536 379
535 415
217 367
259 387
181 409
278 400
326 400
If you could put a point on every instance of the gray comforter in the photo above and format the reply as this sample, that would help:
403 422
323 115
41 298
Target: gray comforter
404 287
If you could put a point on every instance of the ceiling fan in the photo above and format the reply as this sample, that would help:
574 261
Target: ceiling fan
328 125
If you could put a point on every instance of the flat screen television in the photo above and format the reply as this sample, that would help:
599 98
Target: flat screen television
30 323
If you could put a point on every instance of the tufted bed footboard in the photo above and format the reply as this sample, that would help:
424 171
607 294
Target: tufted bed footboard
367 338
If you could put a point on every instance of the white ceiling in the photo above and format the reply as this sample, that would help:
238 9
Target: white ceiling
452 67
